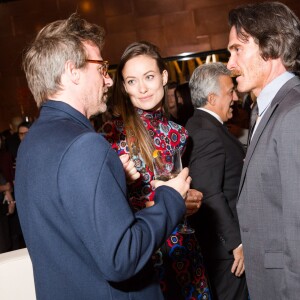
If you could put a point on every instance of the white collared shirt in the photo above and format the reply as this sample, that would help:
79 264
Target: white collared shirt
211 113
268 93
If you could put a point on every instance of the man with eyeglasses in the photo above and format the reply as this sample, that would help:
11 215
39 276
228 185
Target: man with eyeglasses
83 238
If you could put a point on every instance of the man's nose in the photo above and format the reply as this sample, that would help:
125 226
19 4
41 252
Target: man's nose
231 64
235 96
108 81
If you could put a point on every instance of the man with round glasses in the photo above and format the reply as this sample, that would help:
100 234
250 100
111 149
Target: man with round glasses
83 238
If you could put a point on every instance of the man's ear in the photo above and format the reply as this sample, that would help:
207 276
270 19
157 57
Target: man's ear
211 99
165 76
72 72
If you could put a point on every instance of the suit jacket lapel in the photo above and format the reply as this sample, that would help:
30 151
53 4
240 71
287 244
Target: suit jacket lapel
233 137
225 130
206 115
264 121
217 123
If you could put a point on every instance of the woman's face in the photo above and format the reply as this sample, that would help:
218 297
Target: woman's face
144 83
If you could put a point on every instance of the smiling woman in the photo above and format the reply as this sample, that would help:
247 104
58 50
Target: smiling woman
141 128
144 83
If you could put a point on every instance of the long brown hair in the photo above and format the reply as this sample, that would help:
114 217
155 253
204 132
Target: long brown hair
137 136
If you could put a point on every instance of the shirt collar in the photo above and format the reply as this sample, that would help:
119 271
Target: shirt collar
211 113
268 93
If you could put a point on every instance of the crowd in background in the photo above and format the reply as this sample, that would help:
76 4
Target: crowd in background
11 236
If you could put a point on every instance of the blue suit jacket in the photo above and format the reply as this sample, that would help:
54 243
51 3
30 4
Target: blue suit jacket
83 238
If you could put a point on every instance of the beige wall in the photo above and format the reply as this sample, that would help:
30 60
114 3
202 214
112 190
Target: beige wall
175 26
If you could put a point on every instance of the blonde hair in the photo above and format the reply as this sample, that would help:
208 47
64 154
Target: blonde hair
55 44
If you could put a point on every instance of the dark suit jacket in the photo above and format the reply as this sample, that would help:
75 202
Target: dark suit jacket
215 158
82 237
269 200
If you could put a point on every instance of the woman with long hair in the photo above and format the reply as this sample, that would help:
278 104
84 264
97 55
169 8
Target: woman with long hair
140 126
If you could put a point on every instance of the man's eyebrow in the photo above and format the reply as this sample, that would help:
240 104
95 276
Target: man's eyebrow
233 46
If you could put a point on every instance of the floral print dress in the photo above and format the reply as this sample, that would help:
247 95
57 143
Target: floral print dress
179 261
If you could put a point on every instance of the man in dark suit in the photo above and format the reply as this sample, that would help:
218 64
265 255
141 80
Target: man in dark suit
82 236
215 158
264 43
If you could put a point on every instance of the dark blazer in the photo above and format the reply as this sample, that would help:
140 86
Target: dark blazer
215 158
83 239
268 204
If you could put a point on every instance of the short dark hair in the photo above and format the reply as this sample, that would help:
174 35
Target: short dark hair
24 124
274 27
172 85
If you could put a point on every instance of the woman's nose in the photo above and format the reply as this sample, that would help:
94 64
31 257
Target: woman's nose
143 87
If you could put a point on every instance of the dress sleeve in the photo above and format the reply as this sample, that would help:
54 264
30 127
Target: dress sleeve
114 133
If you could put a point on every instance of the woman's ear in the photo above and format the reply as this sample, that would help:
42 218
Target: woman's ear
165 76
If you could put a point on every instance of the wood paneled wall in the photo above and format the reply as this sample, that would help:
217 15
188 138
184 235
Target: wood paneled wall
175 26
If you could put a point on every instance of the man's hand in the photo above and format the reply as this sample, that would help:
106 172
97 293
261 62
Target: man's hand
181 183
131 172
11 202
193 201
238 266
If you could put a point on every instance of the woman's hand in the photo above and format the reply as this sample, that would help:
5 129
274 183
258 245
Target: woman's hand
128 165
193 201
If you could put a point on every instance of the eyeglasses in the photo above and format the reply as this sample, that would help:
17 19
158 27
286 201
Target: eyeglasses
103 65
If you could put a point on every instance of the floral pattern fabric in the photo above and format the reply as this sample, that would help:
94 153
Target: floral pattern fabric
178 262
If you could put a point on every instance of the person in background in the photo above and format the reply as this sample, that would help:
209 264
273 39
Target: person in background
7 207
7 168
215 158
14 222
82 236
264 45
171 101
185 108
12 140
23 129
6 162
238 125
140 127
